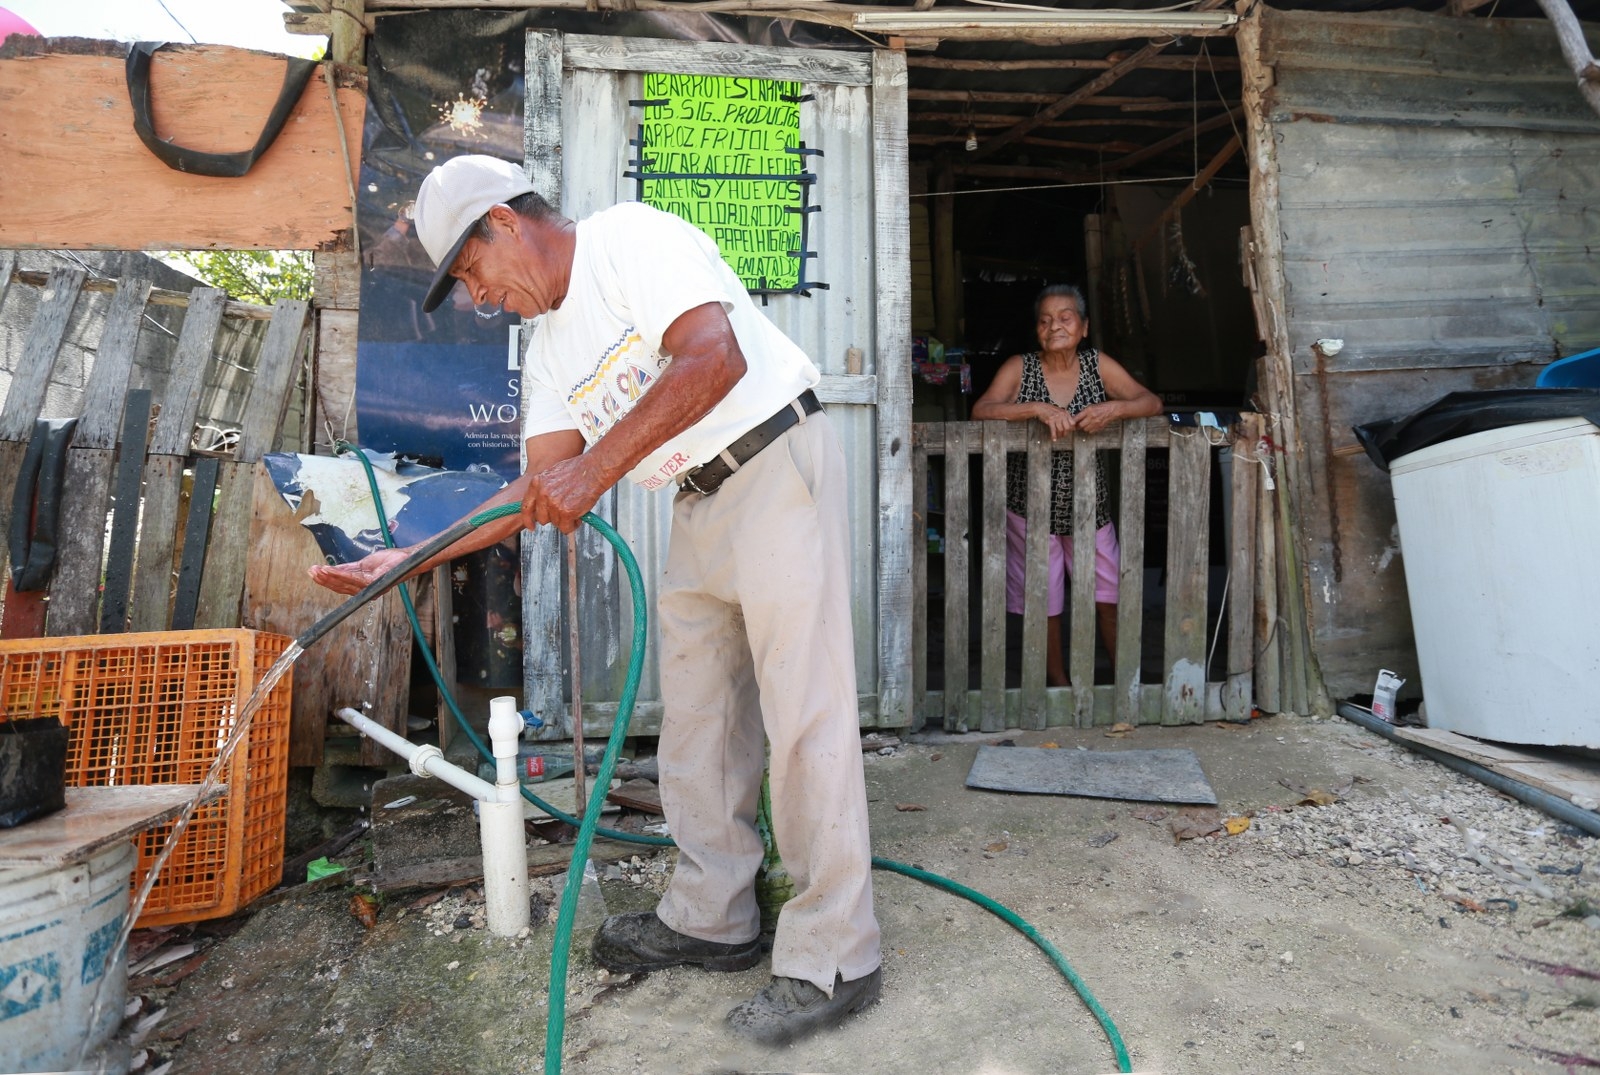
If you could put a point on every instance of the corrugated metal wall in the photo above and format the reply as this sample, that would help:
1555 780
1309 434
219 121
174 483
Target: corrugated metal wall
827 324
1439 207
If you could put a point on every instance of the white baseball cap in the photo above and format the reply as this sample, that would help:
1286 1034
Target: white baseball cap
451 201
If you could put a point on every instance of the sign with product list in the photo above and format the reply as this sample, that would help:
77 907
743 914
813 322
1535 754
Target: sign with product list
724 154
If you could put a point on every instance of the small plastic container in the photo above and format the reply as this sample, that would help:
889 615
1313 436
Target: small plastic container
1383 693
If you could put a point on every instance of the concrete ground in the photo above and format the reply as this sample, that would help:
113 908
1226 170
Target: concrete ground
1420 922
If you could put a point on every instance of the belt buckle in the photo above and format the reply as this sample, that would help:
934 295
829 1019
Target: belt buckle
690 484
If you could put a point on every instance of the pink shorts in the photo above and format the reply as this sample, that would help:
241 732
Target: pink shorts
1107 558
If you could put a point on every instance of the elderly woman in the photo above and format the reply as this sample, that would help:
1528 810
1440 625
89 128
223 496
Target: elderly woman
1068 387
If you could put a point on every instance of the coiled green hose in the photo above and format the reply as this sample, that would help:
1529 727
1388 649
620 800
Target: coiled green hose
555 1025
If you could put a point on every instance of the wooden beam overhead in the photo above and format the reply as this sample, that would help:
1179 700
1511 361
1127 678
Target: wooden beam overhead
1127 104
1178 139
1001 119
957 138
1109 77
1153 63
1188 193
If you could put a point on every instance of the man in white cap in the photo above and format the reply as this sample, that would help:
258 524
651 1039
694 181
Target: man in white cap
648 360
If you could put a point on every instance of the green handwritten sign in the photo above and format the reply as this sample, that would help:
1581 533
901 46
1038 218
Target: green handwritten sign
714 152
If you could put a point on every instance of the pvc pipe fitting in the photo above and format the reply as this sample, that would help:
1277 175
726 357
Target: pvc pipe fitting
505 730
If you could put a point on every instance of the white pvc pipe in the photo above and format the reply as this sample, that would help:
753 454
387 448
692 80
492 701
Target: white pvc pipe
424 760
500 817
500 825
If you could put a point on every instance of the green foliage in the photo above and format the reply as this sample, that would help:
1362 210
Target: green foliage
259 276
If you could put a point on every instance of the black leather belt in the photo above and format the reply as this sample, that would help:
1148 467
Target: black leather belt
707 478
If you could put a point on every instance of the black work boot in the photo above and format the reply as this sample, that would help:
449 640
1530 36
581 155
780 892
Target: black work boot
640 941
789 1009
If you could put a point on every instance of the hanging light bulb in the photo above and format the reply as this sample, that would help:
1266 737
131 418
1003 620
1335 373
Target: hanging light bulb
972 139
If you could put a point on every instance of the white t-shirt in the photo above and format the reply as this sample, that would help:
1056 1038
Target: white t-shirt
635 270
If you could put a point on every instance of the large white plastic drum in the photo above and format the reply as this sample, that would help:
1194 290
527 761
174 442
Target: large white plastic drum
59 1000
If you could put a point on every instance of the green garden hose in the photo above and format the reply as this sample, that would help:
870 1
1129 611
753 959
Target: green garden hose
555 1026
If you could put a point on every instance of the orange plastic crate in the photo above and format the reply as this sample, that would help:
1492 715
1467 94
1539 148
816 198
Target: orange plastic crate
156 709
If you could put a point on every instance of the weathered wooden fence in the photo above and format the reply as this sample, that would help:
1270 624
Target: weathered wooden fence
162 563
974 592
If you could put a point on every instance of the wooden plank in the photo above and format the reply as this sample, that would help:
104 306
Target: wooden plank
30 378
223 574
125 513
113 364
181 399
1238 693
94 818
366 659
1566 775
222 582
169 450
543 676
717 58
335 383
957 521
1266 646
891 240
29 383
1130 575
859 388
919 575
1080 649
158 542
164 471
992 580
336 280
75 590
196 533
276 365
1035 577
444 651
71 143
1188 519
541 131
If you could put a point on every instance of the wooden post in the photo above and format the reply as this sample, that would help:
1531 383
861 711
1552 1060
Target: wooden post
349 32
946 286
1035 579
1094 254
1080 651
897 535
957 605
992 579
1188 522
1127 705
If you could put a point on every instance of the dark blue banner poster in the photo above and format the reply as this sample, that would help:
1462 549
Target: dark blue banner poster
441 387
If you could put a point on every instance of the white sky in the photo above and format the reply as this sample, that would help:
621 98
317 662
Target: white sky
254 24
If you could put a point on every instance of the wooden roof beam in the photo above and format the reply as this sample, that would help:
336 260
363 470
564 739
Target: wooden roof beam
1002 119
1152 63
957 138
1109 77
1127 104
1187 195
1186 135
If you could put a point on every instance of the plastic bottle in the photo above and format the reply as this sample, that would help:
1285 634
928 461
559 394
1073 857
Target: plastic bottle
591 910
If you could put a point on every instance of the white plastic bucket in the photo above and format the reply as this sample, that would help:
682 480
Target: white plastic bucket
57 926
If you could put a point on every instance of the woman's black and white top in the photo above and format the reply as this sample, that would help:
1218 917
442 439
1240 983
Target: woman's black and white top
1091 390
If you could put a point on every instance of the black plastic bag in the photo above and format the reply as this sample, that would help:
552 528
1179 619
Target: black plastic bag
33 769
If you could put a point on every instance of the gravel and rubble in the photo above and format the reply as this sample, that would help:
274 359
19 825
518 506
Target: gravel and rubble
1414 920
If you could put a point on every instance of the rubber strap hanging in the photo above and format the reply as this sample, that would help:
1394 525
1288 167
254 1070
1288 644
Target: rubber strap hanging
195 161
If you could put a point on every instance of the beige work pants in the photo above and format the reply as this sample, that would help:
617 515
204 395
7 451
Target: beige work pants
756 635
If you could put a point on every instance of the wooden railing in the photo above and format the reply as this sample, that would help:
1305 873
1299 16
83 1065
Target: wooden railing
973 586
